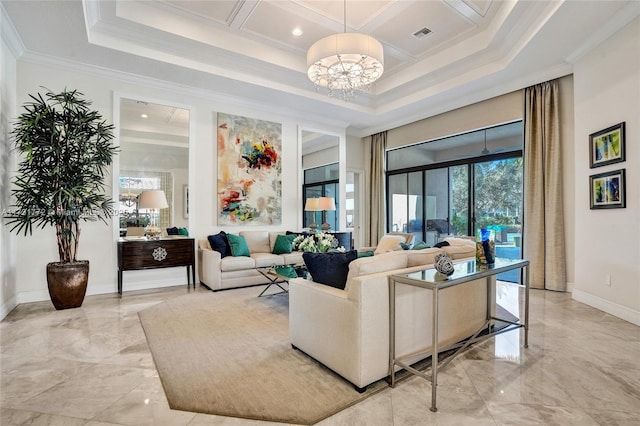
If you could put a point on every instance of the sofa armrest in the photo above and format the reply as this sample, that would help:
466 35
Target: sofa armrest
322 323
209 268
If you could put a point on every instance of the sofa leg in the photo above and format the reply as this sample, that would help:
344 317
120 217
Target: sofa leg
360 390
294 347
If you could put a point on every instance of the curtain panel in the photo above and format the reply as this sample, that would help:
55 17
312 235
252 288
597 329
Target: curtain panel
377 223
543 207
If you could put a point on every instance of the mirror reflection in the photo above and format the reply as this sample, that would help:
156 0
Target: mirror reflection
321 180
154 156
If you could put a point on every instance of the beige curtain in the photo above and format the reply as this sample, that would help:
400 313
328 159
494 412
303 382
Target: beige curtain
543 209
376 188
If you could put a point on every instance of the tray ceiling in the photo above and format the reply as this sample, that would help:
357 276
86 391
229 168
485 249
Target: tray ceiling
472 50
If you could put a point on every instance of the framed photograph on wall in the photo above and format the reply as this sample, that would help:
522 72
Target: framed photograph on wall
607 146
607 190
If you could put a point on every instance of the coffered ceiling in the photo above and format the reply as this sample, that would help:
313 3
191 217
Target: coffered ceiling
439 54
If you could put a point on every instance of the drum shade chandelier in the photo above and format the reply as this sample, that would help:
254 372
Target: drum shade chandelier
345 62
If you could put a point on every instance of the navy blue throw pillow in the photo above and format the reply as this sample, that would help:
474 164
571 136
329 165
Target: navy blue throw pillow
329 268
219 243
442 244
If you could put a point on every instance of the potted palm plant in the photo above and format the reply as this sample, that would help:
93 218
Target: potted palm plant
65 149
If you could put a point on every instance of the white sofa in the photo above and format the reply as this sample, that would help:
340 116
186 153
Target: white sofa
219 273
348 330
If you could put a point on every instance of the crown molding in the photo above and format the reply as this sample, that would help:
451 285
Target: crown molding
627 14
181 89
10 35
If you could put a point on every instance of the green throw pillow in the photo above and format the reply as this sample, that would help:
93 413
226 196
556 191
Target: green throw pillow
183 231
238 245
282 245
286 271
368 253
419 246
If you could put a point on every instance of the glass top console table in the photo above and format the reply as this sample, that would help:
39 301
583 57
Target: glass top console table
465 272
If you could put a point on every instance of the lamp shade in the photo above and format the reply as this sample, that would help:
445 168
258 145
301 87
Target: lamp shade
311 205
345 61
326 203
152 200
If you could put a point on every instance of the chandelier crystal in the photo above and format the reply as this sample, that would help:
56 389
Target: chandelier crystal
345 62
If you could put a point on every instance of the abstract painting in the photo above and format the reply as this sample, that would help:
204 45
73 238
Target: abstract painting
607 146
608 190
249 171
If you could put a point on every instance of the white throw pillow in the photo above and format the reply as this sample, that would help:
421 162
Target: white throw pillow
460 241
389 243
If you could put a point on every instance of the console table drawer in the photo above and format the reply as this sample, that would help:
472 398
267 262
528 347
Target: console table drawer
155 254
152 254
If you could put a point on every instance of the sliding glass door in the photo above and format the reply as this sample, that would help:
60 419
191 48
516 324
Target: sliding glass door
497 189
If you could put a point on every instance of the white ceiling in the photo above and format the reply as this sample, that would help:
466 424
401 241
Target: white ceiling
244 49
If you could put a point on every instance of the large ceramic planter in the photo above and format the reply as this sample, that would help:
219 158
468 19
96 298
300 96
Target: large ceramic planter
67 283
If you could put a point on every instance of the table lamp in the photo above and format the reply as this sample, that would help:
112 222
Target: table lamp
326 204
312 206
153 200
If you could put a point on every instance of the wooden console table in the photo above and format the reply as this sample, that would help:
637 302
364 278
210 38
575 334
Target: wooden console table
151 254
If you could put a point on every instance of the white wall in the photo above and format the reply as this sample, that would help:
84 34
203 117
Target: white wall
98 241
8 288
607 91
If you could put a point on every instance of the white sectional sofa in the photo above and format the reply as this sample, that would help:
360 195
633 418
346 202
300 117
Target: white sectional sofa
348 330
219 273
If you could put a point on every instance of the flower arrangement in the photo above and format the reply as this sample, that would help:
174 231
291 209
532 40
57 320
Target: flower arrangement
319 242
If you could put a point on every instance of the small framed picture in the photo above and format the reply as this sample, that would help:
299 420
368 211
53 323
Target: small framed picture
607 190
607 146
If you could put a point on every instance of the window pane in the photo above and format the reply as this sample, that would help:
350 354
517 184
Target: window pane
415 207
460 199
398 213
498 206
436 205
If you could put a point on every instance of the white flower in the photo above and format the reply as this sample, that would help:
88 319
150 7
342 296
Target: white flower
320 242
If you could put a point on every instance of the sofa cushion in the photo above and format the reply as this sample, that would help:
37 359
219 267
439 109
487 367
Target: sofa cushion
238 245
365 253
460 252
378 263
422 257
460 248
293 258
389 243
457 241
329 268
258 241
282 245
237 263
219 243
264 260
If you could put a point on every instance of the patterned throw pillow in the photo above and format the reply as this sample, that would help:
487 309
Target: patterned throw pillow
282 245
238 245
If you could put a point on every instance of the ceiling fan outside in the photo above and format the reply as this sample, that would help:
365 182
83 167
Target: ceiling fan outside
485 151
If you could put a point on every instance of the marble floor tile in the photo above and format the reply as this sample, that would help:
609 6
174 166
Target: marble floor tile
92 366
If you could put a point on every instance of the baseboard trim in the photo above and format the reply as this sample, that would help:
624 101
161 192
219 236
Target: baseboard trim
607 306
7 307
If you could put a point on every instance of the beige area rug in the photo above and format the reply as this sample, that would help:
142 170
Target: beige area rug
228 353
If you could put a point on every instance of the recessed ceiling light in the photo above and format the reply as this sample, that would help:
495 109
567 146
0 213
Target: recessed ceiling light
296 32
144 115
